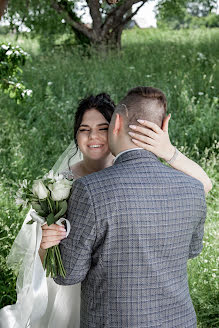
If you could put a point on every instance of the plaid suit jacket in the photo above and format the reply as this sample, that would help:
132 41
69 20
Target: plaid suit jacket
133 227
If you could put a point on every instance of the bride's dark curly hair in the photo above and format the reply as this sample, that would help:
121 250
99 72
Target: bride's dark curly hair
101 102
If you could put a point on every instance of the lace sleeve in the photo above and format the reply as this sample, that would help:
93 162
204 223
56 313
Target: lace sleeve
68 174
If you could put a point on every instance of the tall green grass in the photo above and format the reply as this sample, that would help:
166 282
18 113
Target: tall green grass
184 64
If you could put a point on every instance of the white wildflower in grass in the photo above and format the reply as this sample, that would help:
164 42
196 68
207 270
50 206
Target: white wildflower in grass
131 67
9 52
49 83
200 93
4 47
200 56
27 93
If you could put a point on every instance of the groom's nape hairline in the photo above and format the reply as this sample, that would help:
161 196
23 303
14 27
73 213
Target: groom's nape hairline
145 103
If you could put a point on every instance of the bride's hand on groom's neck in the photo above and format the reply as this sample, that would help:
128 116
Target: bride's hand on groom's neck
150 136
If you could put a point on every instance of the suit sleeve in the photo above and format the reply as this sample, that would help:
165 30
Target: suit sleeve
76 249
196 244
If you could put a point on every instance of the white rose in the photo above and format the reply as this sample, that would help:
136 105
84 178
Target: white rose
39 189
60 190
58 177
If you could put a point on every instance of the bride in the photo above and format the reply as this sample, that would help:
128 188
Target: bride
91 123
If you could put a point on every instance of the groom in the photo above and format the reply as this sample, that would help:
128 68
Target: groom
134 226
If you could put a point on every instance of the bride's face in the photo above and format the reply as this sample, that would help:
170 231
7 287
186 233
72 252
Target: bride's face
92 135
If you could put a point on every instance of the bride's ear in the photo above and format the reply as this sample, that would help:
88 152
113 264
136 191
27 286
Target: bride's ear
117 124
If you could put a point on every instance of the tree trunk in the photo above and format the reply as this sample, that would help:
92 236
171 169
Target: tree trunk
3 6
112 40
105 33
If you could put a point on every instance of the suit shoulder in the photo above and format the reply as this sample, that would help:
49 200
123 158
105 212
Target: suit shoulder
95 177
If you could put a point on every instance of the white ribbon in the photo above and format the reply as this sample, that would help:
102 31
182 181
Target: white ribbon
32 291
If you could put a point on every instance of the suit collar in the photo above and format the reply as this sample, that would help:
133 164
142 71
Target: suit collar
135 154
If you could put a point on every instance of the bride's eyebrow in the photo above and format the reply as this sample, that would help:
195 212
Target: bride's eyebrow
87 126
101 124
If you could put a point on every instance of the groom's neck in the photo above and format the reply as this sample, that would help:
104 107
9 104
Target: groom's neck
124 148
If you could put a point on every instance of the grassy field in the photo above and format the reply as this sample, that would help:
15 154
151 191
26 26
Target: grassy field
184 64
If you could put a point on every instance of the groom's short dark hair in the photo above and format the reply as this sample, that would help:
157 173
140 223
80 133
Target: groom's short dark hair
146 103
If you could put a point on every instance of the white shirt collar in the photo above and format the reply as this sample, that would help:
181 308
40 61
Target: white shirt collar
125 151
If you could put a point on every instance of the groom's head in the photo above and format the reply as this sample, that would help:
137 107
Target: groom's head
144 103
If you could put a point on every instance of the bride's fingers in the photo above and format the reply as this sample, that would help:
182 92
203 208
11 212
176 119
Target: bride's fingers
49 244
54 227
51 233
52 238
150 125
166 123
139 137
143 145
144 131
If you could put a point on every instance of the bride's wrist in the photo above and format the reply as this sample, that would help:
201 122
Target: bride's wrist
170 153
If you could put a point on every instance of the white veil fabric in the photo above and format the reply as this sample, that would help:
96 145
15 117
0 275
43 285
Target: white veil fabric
41 303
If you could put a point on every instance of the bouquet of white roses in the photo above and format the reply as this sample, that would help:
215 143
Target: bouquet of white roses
48 199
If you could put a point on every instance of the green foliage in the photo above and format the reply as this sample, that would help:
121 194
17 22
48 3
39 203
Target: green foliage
188 21
187 14
11 60
184 64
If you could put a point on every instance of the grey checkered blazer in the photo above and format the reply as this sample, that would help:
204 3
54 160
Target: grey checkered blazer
133 227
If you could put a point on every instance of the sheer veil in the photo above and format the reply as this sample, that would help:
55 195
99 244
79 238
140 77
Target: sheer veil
68 158
32 284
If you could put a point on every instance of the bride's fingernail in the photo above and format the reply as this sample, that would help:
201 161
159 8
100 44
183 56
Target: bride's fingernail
140 121
62 229
132 127
131 134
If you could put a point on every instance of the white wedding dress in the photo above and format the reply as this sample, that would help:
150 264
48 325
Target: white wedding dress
41 303
63 309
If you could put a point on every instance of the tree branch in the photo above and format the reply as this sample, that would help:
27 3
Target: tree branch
116 15
3 6
62 9
94 6
132 15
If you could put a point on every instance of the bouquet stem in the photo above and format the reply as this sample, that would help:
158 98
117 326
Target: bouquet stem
53 263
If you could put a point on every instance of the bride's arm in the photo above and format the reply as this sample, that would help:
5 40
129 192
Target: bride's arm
51 236
157 141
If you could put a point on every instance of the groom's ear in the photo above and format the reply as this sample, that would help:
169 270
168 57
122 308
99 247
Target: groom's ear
117 124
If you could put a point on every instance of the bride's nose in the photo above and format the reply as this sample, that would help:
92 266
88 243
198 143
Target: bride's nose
93 134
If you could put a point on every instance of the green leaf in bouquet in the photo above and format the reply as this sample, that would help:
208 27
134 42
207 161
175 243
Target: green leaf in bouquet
37 207
50 219
52 202
44 206
62 211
